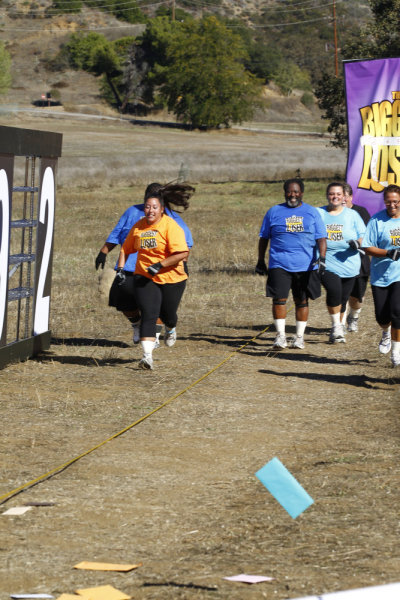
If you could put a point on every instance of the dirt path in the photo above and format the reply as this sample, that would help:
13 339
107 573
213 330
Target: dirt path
178 491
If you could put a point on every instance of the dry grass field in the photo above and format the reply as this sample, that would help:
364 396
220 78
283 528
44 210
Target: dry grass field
177 491
108 152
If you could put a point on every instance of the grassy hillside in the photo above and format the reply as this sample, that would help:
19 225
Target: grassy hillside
32 38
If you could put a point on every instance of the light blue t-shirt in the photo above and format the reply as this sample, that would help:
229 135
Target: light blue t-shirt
340 229
292 233
383 232
127 221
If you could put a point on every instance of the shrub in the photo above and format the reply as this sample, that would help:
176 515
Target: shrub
307 100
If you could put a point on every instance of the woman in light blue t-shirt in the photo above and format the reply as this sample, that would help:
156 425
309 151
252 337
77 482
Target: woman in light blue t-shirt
344 232
382 242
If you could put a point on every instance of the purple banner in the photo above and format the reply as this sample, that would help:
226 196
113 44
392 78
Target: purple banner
373 119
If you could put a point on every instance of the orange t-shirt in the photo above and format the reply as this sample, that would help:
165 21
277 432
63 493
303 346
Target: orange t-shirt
155 242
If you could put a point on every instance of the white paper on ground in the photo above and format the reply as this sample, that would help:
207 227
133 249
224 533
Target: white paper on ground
33 596
249 578
17 510
390 591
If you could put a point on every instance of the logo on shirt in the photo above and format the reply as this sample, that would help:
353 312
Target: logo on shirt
148 239
294 224
395 236
334 232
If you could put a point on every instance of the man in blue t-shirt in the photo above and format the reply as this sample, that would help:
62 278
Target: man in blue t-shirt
121 294
295 231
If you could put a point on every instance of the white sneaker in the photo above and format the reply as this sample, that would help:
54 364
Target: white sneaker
170 337
136 332
280 341
336 335
297 342
395 358
352 324
386 342
146 362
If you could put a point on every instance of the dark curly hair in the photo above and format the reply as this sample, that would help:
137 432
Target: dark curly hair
177 194
297 180
391 188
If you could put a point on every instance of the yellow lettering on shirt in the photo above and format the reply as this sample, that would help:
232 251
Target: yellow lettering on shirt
334 232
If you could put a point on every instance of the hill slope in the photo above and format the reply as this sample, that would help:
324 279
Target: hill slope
32 38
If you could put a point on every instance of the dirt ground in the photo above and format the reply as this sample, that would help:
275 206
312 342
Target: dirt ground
177 492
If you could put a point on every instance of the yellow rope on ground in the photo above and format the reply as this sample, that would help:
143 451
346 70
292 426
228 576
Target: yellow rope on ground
5 497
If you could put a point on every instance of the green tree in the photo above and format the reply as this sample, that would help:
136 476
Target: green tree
129 11
289 76
95 54
66 6
153 44
180 15
379 39
204 81
265 61
330 94
5 69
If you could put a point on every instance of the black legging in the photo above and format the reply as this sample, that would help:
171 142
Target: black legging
157 300
338 289
387 304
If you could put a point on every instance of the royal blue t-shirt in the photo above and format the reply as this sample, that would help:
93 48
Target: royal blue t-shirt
340 229
127 221
383 232
292 233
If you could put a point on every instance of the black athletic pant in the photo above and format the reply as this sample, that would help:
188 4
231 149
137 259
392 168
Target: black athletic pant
337 288
157 300
387 304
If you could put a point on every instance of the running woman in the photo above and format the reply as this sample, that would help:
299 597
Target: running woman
344 232
160 277
360 285
382 242
121 294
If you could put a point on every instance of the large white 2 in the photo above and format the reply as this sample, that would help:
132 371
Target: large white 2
42 304
4 246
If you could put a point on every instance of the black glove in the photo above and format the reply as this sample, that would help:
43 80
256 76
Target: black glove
355 245
321 265
394 253
100 260
261 268
120 276
153 269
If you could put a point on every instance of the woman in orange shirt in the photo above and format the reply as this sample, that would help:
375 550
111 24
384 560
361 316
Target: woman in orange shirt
160 277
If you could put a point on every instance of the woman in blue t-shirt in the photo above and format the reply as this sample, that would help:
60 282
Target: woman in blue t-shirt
382 242
344 232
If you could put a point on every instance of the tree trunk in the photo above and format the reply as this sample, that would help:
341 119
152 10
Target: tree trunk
114 91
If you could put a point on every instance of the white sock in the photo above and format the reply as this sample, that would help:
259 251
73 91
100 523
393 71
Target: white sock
344 318
395 348
300 327
354 313
280 325
335 319
147 346
388 330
